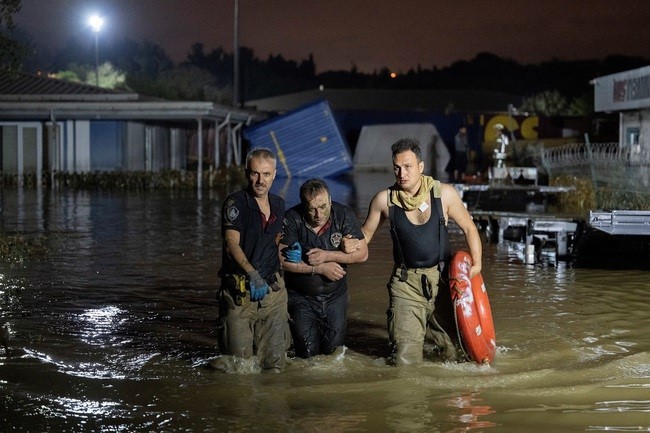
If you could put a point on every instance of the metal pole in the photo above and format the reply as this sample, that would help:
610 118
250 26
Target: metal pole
217 140
199 157
97 58
235 54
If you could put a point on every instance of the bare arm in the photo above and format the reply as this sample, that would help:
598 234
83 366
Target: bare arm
455 209
316 256
235 251
377 214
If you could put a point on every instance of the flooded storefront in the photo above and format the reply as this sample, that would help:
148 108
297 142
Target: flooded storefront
112 329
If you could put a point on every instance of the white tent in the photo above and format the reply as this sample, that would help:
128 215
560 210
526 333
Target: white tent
373 147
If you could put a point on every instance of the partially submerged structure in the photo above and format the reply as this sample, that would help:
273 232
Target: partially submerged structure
618 172
57 126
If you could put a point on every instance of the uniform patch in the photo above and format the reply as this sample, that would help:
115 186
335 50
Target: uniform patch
232 213
335 239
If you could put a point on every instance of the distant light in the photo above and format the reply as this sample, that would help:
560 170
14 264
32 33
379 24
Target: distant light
96 22
321 87
393 75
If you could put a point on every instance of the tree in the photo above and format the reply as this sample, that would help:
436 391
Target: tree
11 52
189 83
553 103
109 77
144 59
547 103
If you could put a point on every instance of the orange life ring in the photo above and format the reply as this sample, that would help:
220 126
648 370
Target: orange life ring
472 309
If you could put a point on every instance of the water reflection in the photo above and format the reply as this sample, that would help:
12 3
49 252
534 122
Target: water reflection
469 413
113 330
99 326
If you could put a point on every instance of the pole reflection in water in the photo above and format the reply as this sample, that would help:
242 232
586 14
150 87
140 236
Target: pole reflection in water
113 329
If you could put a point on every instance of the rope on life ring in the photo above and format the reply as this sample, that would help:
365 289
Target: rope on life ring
452 289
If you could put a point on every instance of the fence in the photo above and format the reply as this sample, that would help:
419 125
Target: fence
620 175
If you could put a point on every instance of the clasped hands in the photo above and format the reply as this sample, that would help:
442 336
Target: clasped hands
349 244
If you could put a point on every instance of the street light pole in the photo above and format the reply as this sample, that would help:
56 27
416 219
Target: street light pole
235 56
96 23
97 59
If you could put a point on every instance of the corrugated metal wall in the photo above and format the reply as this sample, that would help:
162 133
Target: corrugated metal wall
307 142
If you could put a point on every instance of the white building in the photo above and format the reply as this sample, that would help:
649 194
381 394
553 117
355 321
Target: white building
627 93
56 126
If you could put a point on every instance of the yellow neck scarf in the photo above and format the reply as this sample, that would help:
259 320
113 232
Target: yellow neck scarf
399 198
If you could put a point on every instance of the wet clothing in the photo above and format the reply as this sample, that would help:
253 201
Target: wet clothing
253 328
318 306
258 236
416 305
419 298
342 222
318 322
418 245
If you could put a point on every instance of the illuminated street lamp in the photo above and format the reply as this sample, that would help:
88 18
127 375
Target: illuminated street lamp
96 23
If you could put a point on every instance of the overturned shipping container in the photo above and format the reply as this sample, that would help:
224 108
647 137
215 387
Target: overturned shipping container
307 142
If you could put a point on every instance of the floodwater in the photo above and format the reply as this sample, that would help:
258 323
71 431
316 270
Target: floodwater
112 330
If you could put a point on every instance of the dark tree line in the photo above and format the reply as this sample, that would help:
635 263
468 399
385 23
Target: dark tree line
11 51
209 74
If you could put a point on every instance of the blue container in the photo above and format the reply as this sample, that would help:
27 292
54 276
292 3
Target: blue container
307 142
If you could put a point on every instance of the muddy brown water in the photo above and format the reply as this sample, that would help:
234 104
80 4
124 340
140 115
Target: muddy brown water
113 331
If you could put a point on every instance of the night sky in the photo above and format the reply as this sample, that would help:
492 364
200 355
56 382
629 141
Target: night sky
371 34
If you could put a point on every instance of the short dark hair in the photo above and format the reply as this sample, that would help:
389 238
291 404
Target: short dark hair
259 152
406 144
312 187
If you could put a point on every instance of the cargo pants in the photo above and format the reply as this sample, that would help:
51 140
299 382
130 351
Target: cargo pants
412 312
255 328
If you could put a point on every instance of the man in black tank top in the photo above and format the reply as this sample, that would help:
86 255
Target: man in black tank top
315 268
418 208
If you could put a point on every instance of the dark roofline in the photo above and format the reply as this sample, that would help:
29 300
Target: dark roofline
35 97
24 87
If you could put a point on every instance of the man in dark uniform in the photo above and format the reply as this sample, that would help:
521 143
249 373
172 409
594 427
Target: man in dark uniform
252 298
315 268
418 208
